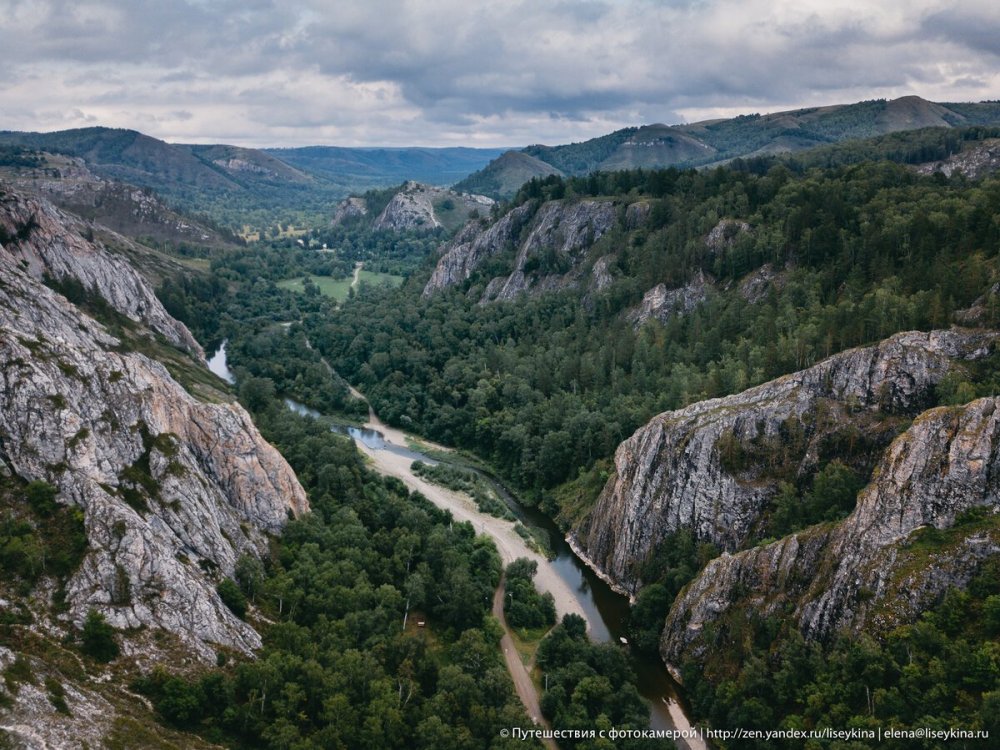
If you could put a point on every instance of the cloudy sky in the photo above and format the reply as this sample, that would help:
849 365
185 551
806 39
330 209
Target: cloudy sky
465 72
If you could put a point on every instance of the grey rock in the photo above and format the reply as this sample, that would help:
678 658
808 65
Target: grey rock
349 208
974 161
48 242
77 413
670 474
637 214
561 230
559 233
600 276
413 207
755 286
662 304
724 234
474 244
860 574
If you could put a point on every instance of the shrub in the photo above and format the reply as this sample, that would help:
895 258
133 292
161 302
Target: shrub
98 639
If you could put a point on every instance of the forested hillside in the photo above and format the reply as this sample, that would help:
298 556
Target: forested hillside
545 388
713 142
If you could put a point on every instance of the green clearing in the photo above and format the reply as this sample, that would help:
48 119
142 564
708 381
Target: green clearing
338 289
334 288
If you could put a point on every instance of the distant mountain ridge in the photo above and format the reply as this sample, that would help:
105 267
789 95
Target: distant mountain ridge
717 141
231 182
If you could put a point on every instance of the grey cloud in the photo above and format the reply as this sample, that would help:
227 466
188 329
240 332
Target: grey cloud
439 68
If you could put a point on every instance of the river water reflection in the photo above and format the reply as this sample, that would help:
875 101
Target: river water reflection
607 611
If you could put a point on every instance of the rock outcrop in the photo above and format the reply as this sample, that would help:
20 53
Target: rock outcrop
755 286
975 160
349 208
551 245
863 572
661 304
725 233
473 245
49 243
173 490
673 473
416 206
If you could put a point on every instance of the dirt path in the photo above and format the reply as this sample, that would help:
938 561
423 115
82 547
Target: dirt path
523 685
357 274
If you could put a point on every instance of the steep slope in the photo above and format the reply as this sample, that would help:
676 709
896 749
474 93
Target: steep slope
866 571
171 490
67 182
50 244
714 467
551 241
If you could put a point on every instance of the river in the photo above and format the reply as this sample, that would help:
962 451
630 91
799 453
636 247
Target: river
605 609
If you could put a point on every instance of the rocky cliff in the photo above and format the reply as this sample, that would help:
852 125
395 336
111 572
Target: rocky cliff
50 244
976 159
173 489
551 245
473 245
715 466
871 570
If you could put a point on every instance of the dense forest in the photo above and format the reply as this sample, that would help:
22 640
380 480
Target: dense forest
375 608
849 251
545 388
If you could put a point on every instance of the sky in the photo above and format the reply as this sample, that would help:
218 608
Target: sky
470 73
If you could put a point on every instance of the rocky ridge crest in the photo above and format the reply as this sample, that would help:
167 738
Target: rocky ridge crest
48 243
673 473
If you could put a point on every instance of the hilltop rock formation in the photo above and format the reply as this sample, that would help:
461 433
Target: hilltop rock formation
862 571
49 243
173 489
416 206
706 467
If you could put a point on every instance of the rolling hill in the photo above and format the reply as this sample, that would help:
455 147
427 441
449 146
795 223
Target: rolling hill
717 141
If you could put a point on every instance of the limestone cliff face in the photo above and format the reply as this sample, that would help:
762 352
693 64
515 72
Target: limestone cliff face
473 245
554 246
551 245
672 473
173 490
48 242
861 572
